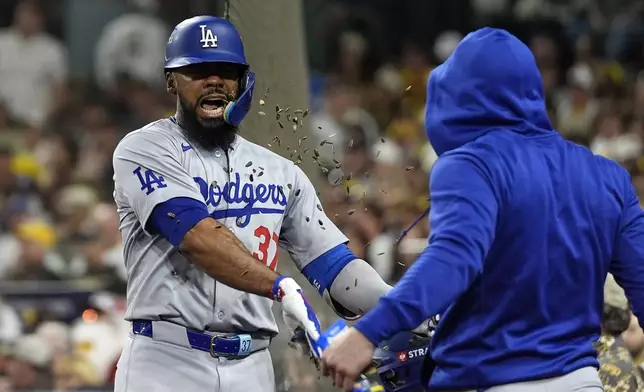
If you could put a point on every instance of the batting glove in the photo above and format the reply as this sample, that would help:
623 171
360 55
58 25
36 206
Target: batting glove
295 309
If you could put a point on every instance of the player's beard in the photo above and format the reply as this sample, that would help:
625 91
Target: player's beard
209 133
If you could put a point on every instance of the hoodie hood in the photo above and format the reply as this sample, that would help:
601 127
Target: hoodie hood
490 82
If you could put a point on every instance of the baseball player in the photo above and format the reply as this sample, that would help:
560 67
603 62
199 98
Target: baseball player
525 227
202 213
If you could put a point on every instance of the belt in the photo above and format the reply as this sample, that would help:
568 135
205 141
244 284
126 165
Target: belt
219 345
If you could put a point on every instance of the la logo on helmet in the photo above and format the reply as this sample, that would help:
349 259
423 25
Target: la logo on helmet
208 39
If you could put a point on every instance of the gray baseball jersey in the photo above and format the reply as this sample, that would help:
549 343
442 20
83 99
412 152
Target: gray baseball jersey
264 199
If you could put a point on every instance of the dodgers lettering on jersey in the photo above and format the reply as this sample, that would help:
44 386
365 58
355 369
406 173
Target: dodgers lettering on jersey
275 208
254 196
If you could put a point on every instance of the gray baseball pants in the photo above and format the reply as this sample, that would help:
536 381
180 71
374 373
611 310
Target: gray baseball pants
581 380
148 365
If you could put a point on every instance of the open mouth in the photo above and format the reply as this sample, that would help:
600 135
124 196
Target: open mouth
213 107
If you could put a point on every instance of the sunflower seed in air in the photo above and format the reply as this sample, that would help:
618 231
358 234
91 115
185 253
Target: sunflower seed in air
251 178
308 219
382 139
409 168
320 222
408 88
280 124
306 113
289 186
319 207
171 215
249 163
260 174
297 192
261 113
262 102
350 212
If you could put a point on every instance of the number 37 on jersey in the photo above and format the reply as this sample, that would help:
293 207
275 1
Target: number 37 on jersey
268 248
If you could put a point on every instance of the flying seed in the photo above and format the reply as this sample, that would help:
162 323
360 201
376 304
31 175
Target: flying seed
262 102
381 253
382 139
350 143
260 174
409 168
251 178
289 186
350 212
171 215
308 219
320 222
297 192
378 154
355 284
249 163
408 88
319 207
306 113
280 124
347 288
403 264
382 191
261 113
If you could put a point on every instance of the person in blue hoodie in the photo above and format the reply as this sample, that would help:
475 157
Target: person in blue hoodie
525 227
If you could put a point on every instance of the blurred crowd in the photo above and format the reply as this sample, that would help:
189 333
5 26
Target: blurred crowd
58 222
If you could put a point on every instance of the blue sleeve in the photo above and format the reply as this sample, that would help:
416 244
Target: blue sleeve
628 258
322 271
173 218
463 221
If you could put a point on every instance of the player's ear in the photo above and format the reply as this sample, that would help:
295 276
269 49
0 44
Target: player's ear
170 83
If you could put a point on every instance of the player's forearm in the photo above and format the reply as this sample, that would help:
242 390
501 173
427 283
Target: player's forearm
216 250
358 287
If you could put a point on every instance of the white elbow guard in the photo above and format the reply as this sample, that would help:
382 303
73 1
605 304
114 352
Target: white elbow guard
339 309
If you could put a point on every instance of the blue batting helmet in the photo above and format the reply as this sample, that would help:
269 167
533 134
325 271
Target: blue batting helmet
399 361
208 39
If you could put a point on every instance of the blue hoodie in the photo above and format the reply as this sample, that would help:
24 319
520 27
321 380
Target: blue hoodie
524 228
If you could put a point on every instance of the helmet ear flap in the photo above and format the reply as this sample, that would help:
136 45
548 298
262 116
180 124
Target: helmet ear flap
237 110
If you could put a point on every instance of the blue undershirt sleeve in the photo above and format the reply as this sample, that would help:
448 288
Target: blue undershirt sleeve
173 218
